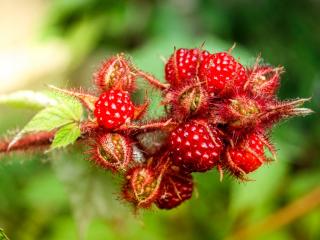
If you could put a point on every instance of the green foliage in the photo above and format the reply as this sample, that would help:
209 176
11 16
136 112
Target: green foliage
64 114
67 110
66 135
3 235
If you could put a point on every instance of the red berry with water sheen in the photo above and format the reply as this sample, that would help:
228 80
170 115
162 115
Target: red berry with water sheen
196 146
113 108
174 190
220 71
183 65
247 156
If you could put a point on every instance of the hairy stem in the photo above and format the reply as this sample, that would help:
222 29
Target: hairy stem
36 140
151 79
28 142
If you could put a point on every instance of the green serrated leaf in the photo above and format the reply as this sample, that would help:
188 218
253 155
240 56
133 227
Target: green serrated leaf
3 236
27 99
66 135
68 110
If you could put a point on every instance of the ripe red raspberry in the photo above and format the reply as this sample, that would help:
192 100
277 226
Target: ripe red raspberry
113 108
174 190
247 156
196 146
183 65
221 71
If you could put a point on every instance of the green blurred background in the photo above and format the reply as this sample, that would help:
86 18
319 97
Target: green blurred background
59 196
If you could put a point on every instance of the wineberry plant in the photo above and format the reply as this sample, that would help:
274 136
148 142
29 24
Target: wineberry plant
219 115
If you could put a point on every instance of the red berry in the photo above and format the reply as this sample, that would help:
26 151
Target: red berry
174 190
196 146
221 71
247 156
113 108
115 73
183 65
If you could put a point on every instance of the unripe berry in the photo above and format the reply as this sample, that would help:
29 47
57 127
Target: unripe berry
196 146
113 109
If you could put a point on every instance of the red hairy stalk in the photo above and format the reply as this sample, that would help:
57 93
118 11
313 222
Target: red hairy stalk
35 140
149 126
28 142
151 79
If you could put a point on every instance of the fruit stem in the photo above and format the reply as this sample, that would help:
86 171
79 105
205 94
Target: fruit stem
151 79
36 140
148 127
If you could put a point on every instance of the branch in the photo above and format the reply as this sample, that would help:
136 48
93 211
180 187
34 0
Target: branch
28 142
36 140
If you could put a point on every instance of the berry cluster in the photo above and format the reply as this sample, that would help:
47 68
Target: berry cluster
218 115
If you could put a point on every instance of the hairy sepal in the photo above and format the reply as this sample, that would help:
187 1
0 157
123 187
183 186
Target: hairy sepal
142 185
186 101
112 151
243 114
115 73
263 80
